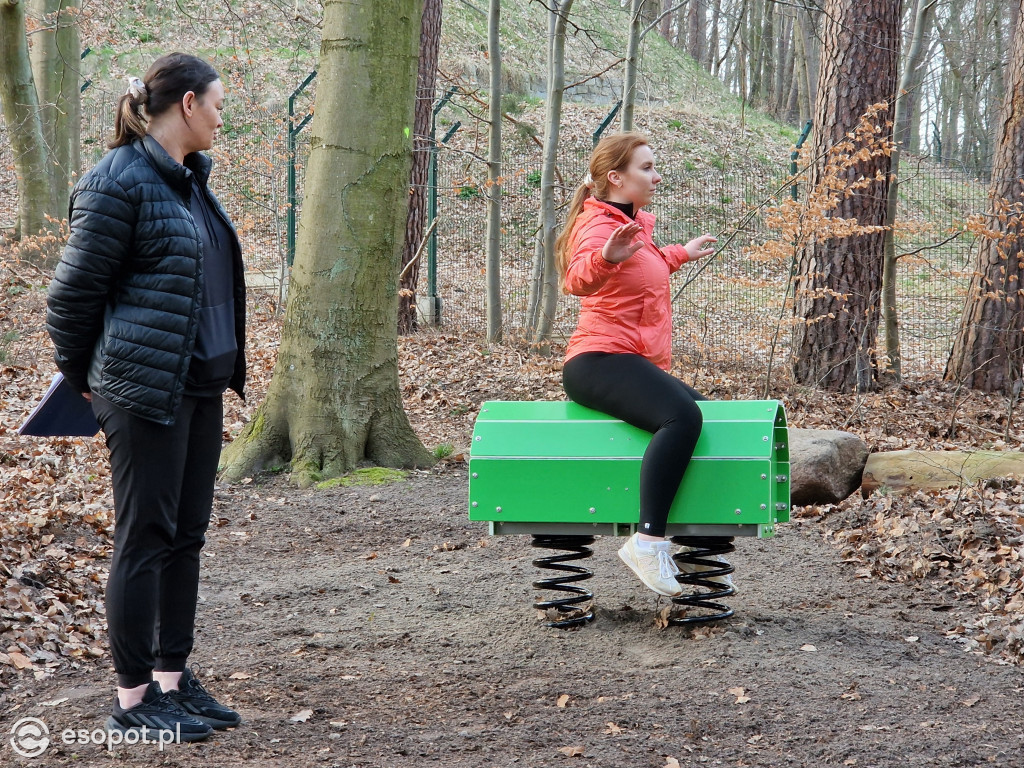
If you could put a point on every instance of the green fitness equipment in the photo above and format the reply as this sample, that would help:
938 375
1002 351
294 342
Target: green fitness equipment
564 474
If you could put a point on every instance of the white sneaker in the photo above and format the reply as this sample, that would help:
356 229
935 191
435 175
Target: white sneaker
654 566
725 579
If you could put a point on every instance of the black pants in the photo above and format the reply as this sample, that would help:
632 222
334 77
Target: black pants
635 390
163 478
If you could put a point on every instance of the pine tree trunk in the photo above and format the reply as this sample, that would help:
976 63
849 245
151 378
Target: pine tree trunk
334 400
416 223
988 352
839 280
696 30
21 115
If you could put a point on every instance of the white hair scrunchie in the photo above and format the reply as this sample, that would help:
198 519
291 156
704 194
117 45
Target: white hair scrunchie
137 89
588 181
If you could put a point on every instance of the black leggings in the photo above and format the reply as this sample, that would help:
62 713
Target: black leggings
635 390
163 478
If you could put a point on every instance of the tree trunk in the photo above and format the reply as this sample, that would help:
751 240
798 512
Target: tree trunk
542 322
493 259
901 128
415 224
629 77
839 280
21 115
988 352
55 59
807 20
911 80
665 27
696 24
783 65
711 62
334 400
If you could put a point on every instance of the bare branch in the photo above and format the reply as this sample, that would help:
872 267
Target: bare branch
932 246
594 76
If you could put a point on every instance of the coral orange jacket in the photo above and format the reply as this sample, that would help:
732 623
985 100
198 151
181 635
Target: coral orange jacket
626 307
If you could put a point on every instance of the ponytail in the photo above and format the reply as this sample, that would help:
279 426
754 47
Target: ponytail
129 122
562 243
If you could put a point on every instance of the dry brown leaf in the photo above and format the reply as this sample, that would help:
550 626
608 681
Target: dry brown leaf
612 729
808 647
562 700
19 660
301 716
671 762
971 701
740 694
571 751
239 676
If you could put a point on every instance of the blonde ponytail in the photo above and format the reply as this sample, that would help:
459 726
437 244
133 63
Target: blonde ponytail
562 243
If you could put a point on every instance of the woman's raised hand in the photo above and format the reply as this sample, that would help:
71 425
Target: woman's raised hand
698 247
620 245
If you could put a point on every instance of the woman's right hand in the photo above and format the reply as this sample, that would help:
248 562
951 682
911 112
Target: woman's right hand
620 245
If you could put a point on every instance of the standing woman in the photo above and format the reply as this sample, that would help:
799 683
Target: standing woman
147 315
619 357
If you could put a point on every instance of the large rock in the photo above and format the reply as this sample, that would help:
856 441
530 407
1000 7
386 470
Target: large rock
933 470
826 465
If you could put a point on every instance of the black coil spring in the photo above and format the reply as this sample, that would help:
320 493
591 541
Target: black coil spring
578 608
698 569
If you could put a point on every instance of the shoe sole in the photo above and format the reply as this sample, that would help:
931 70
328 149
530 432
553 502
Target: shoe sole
113 725
633 568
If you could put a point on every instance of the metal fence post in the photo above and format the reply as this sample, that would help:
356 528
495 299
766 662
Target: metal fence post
796 154
432 297
293 131
604 123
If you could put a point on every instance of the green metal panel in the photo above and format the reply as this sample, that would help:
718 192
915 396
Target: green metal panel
558 462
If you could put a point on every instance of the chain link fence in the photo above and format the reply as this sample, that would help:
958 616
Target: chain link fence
730 309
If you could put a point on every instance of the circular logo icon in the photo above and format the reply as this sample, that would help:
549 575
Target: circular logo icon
30 737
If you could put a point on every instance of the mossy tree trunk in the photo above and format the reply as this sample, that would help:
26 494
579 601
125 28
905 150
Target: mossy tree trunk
55 57
334 400
22 116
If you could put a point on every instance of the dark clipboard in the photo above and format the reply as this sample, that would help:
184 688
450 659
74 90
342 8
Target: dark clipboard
62 412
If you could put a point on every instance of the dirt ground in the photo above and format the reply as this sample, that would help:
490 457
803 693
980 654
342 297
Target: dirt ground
378 626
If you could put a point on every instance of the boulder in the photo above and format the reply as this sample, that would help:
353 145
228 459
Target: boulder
933 470
826 465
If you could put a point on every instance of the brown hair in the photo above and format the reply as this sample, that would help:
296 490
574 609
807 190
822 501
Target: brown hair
612 153
167 81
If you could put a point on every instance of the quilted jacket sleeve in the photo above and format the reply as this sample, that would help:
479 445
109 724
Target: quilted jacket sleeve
102 220
588 271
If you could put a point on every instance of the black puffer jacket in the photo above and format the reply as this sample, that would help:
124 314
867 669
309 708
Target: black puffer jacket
123 307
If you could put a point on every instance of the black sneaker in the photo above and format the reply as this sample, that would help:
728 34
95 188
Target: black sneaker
156 716
197 701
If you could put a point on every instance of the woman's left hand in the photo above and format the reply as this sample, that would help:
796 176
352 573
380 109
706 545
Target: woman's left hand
698 247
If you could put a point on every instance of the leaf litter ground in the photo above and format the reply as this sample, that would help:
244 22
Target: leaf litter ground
377 626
